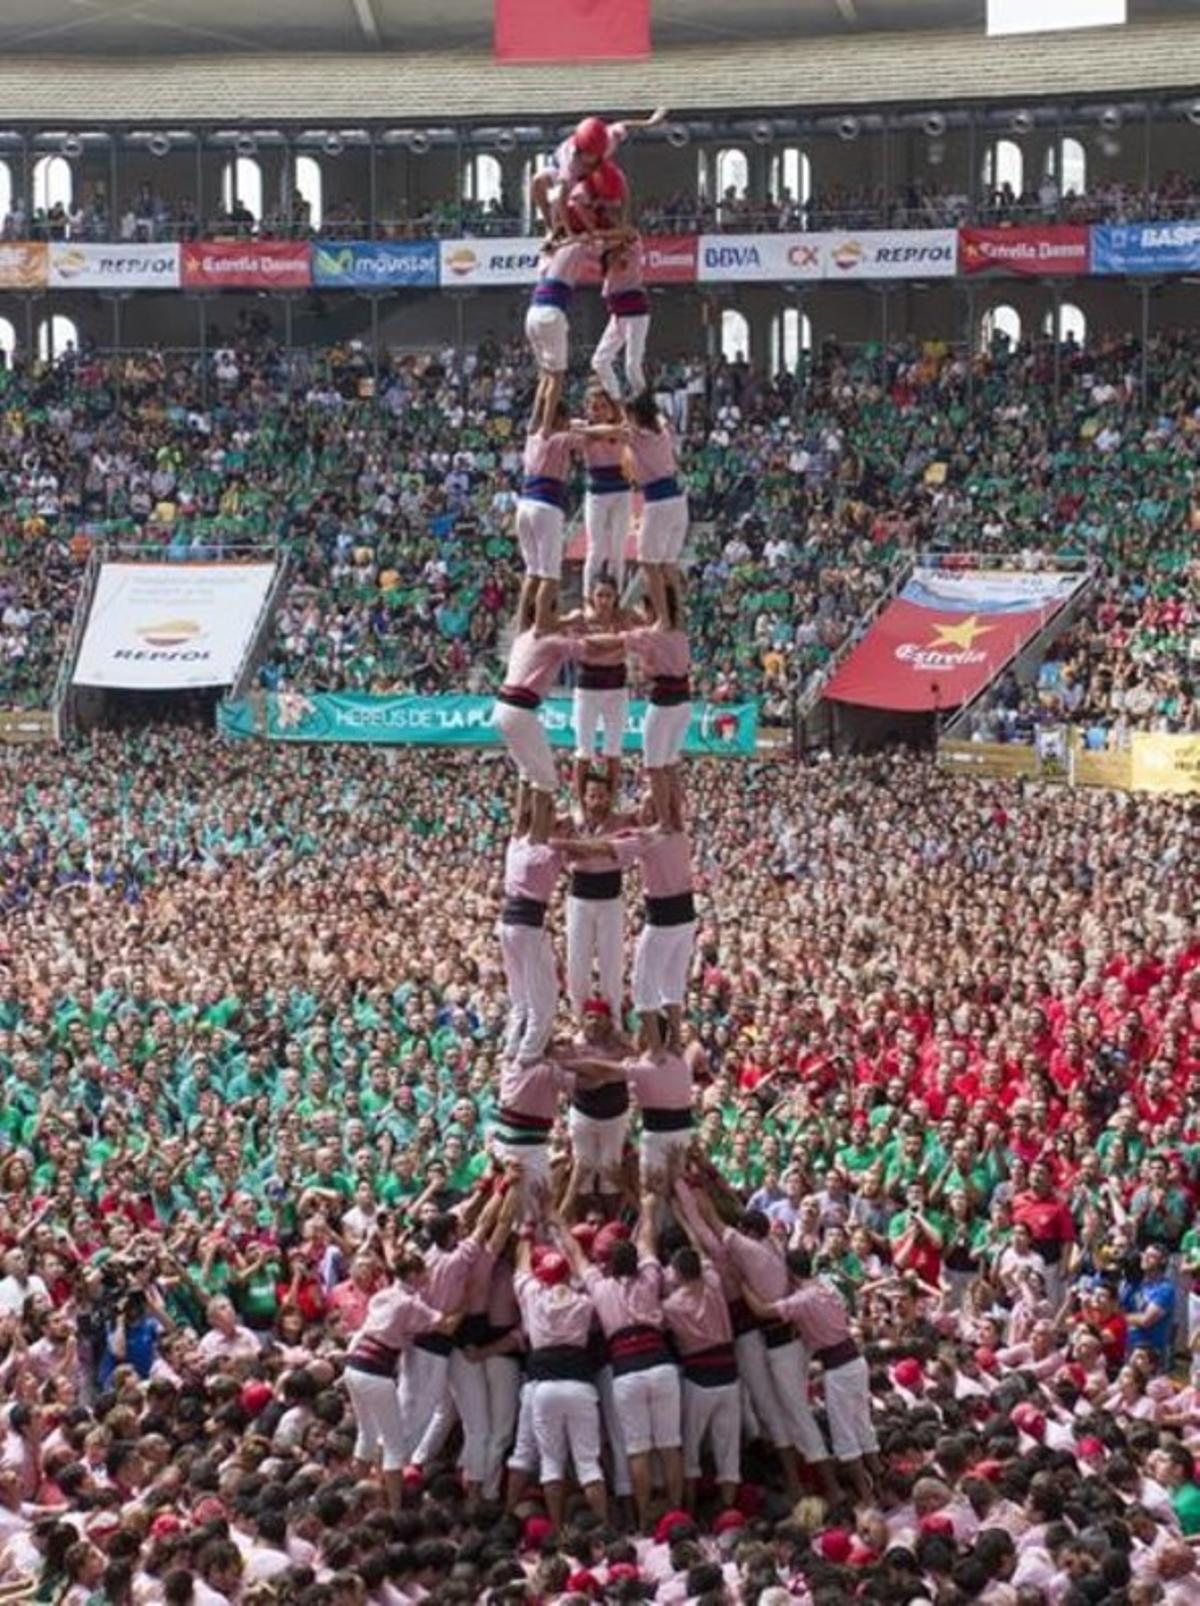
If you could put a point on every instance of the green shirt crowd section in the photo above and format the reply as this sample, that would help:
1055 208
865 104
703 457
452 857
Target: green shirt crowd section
716 729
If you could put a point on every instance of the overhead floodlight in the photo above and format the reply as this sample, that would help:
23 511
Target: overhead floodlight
762 132
333 144
679 135
935 125
505 141
71 147
849 128
245 144
418 142
159 144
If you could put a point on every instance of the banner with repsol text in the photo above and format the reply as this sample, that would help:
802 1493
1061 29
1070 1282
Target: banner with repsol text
717 729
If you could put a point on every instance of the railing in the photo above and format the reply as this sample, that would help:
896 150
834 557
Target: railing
259 641
686 214
61 702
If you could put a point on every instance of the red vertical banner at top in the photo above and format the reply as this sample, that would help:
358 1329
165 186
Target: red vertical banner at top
572 30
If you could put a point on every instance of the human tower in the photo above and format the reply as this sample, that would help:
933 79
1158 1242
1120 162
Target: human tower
534 1347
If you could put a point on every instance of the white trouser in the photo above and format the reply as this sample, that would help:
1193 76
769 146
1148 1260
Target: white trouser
649 1406
848 1406
376 1408
594 930
528 953
788 1366
422 1383
548 336
465 1397
540 537
756 1380
656 1150
523 1456
502 1381
521 732
597 1147
663 530
661 962
566 1425
596 708
534 1161
717 1414
607 516
663 734
628 334
622 1483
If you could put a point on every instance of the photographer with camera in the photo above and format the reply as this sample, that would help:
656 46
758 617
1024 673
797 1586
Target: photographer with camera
135 1320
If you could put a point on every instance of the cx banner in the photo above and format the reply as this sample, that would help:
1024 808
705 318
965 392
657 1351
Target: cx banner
720 729
571 30
947 634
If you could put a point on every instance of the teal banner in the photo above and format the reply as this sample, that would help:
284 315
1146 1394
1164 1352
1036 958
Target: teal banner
728 729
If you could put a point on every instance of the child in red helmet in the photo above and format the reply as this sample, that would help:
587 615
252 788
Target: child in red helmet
593 141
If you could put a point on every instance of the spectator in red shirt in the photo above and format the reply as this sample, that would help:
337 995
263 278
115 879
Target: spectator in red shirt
1051 1225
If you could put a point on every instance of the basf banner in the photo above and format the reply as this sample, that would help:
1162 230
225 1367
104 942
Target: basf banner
1146 248
245 265
891 254
761 257
76 265
375 264
946 636
168 626
505 260
1044 250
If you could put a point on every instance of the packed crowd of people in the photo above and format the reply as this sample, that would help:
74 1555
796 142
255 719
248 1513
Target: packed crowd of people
252 1009
805 491
392 1210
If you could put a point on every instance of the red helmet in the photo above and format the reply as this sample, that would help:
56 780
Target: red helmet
591 137
551 1268
607 182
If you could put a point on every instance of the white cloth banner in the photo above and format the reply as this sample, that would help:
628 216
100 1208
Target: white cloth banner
891 254
75 265
762 257
164 626
500 261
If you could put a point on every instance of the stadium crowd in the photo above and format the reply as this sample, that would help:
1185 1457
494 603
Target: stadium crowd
148 214
806 491
944 1043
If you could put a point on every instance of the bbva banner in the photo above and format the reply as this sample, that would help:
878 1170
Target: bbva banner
170 626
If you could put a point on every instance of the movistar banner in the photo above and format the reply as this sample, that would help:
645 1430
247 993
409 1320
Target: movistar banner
375 264
456 721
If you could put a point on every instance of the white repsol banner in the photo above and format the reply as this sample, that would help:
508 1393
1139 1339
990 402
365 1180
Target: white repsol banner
891 254
164 626
78 266
500 261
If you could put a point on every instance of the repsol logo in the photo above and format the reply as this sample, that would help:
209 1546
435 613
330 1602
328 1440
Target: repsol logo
136 655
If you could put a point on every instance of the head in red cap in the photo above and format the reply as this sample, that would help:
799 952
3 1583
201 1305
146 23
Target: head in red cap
667 1524
1028 1419
536 1531
591 139
728 1522
597 1005
624 1569
584 1235
256 1396
908 1373
937 1522
834 1544
165 1525
551 1269
985 1359
607 183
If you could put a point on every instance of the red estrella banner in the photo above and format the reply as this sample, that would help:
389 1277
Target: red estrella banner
946 636
246 265
571 30
1040 250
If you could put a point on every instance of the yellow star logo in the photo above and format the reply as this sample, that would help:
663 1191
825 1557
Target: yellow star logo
962 635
